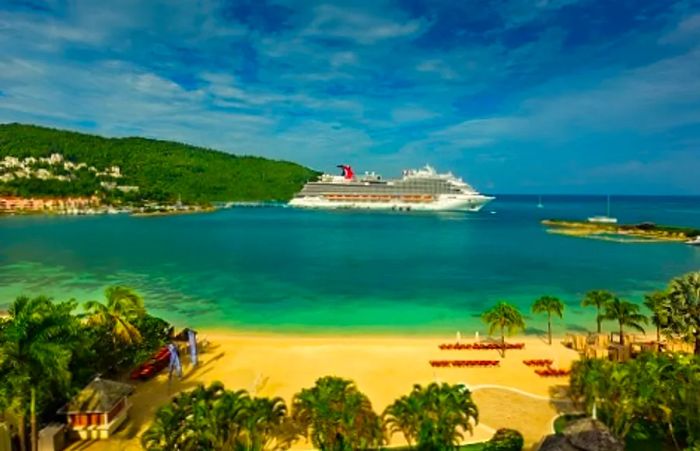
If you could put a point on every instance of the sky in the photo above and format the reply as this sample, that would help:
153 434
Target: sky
517 96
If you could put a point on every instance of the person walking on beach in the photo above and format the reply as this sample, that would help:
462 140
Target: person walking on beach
175 364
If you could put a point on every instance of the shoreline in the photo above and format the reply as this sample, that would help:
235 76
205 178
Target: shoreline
364 335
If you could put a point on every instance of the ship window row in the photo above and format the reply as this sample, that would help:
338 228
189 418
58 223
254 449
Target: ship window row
320 189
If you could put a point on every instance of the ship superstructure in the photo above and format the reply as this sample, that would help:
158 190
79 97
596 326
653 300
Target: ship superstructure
417 189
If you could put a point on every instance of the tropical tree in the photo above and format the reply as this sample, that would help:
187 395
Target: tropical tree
598 299
405 415
683 309
626 314
166 431
123 307
551 306
504 317
656 303
267 423
214 418
656 390
435 417
34 357
336 416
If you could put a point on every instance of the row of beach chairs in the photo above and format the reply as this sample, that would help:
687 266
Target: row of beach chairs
463 363
538 362
552 372
479 346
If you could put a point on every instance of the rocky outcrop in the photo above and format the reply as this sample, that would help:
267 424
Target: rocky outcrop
583 435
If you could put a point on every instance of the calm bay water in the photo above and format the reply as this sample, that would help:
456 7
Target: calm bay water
285 269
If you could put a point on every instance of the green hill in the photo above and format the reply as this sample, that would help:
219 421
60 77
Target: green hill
162 170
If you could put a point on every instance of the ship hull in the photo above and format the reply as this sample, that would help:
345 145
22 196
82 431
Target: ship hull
471 203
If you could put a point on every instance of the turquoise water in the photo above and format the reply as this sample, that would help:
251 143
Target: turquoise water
285 269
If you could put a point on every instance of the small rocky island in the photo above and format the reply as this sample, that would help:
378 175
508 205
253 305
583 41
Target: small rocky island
627 233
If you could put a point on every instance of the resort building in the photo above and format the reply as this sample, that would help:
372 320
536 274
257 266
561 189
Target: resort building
19 204
99 409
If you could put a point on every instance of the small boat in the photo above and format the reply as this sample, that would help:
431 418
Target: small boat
607 219
603 219
694 242
539 203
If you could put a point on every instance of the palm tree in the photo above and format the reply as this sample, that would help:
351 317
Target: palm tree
165 433
598 299
224 415
217 419
683 308
626 314
549 305
654 388
124 306
656 302
336 416
266 418
34 356
434 416
503 316
405 415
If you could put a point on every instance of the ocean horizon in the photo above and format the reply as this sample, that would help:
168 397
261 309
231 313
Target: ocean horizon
290 270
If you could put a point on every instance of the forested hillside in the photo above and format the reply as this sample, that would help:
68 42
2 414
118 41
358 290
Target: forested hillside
162 170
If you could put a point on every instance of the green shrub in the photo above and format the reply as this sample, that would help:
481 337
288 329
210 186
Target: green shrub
505 440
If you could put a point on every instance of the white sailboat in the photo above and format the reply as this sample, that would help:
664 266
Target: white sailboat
539 203
607 219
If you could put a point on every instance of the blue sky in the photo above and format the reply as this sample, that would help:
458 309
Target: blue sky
532 96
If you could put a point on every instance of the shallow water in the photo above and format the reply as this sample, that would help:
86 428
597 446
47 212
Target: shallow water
286 269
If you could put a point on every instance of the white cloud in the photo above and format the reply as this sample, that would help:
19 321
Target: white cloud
332 21
343 59
412 113
439 67
337 83
687 31
646 100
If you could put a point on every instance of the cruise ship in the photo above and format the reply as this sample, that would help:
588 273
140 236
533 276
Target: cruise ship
419 189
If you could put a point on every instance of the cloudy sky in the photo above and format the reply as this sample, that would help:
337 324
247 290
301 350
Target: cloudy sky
533 96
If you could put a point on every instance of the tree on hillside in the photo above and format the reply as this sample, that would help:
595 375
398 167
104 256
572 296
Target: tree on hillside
597 299
123 307
683 309
336 416
551 306
656 302
162 170
35 357
626 314
434 417
504 317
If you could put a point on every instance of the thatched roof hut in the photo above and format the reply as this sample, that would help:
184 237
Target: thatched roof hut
99 408
99 396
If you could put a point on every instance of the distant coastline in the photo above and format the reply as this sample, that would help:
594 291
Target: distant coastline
89 206
625 233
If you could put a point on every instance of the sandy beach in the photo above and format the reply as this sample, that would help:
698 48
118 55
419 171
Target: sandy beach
384 367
